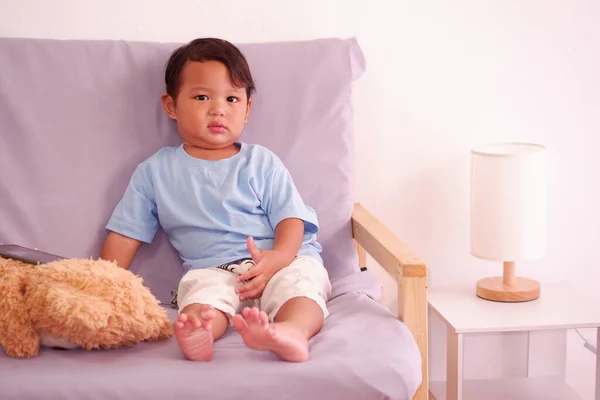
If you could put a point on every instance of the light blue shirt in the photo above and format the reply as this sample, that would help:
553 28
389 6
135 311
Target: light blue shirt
208 209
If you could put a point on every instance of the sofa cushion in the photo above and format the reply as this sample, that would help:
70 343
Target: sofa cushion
362 352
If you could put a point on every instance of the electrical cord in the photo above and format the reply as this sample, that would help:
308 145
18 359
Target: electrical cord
586 344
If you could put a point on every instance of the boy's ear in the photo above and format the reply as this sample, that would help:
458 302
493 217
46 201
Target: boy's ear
168 105
248 107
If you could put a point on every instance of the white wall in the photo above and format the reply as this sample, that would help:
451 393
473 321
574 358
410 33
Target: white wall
441 78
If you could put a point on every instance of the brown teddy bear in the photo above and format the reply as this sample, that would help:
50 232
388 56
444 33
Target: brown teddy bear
91 304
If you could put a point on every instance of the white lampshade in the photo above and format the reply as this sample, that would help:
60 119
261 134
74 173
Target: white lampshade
508 202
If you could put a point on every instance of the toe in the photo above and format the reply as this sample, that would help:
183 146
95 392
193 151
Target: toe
182 318
263 318
247 312
195 322
239 323
254 314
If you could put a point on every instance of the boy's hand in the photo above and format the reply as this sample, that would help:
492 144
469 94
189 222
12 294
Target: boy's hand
268 262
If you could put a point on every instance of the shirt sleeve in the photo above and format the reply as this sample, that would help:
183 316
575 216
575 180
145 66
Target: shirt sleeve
282 200
135 215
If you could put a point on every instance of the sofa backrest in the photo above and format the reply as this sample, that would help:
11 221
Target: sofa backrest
77 116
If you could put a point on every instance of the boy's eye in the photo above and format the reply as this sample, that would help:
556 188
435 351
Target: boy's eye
201 97
233 99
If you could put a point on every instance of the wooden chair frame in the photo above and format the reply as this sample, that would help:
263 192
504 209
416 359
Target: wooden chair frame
410 273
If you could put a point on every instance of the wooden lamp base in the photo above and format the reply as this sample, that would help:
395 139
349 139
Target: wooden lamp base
508 288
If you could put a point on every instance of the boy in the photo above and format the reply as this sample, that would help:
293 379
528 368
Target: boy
232 212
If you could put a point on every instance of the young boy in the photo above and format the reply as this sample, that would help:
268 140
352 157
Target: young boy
232 212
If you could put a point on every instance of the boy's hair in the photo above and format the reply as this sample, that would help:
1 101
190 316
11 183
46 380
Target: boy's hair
209 49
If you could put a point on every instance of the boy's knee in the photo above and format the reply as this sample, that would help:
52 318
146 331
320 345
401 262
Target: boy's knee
305 277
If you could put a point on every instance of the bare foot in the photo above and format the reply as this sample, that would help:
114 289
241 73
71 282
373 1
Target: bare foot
193 330
289 343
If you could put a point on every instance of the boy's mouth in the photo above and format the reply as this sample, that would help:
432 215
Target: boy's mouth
216 127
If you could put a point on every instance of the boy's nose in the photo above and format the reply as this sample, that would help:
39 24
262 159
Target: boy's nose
217 111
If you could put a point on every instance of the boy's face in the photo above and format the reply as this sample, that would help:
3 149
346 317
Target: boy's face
210 112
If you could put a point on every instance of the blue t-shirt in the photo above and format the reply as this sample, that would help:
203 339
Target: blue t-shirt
208 209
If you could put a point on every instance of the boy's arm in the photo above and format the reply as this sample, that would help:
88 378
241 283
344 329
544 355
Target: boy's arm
134 219
291 219
120 249
288 238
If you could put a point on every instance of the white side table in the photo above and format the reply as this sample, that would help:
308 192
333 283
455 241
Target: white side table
560 306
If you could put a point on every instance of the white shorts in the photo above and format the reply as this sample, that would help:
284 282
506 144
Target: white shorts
304 277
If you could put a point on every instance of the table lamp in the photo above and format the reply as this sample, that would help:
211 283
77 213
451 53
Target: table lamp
508 215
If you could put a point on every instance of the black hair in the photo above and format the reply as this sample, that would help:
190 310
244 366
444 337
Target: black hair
209 49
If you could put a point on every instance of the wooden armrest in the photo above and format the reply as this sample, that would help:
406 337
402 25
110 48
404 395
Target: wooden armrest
385 247
410 273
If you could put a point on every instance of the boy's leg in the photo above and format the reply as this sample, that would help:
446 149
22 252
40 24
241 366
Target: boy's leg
302 313
295 299
207 301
